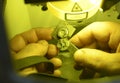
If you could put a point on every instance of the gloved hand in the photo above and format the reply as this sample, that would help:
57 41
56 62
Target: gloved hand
99 48
34 43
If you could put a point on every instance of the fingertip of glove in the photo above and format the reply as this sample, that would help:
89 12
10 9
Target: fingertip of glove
43 42
77 55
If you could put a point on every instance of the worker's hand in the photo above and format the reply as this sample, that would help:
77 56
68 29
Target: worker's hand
99 47
34 43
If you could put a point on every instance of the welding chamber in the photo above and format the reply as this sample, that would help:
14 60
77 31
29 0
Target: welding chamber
22 15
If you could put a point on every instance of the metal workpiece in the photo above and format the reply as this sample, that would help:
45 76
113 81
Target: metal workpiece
62 33
63 44
63 30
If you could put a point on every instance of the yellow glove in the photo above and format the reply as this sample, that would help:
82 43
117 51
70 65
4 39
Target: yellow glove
100 47
34 43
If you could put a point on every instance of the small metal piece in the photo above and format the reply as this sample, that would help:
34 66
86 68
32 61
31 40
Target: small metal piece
63 44
63 30
63 33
